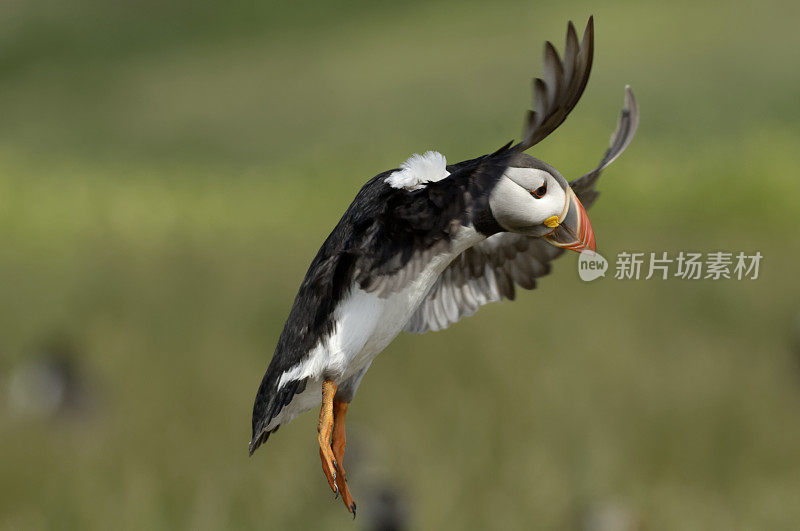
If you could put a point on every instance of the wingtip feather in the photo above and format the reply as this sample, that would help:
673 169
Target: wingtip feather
564 82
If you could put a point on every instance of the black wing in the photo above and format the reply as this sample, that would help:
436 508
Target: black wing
489 271
620 140
415 226
563 84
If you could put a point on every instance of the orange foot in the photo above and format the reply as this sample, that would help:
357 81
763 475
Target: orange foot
337 445
331 453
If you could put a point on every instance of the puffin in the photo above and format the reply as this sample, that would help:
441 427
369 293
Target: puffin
426 244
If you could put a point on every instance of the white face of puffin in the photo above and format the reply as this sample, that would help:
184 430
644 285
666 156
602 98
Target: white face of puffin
533 202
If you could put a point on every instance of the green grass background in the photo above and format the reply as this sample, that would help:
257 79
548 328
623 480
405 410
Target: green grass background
169 169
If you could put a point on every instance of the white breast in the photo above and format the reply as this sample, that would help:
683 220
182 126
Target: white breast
366 323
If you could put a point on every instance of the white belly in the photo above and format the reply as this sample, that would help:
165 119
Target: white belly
366 323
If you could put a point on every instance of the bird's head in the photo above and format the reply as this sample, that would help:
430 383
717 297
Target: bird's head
533 199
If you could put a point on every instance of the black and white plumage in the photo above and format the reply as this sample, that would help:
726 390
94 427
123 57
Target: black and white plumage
426 244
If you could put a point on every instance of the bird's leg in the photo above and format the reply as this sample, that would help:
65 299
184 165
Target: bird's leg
337 445
324 428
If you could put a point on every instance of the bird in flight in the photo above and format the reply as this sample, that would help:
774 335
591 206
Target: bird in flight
422 246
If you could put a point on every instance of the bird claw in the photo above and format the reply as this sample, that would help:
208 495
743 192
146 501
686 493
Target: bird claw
335 486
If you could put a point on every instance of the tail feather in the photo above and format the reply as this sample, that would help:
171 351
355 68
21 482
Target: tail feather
268 404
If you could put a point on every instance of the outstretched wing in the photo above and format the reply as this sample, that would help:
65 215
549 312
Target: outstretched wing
489 271
620 139
563 84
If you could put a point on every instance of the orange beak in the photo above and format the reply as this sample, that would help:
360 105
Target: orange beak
574 231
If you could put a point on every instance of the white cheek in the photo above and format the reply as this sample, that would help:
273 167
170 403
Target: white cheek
510 204
552 203
514 207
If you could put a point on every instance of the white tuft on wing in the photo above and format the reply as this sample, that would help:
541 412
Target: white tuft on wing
418 170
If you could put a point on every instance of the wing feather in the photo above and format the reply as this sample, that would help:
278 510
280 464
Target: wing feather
620 140
487 272
560 88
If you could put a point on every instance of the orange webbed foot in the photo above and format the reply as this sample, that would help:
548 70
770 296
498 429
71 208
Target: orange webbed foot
338 445
324 429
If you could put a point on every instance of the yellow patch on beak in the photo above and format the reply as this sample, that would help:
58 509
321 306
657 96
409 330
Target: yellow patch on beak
551 222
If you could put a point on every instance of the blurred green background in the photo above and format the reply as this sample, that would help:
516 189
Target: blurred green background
168 170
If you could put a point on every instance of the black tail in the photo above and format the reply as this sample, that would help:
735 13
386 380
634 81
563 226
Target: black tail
269 402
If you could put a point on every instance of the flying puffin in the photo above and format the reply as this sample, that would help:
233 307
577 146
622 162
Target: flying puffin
422 246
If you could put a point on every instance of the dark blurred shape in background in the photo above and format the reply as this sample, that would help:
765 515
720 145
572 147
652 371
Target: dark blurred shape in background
50 383
383 504
386 510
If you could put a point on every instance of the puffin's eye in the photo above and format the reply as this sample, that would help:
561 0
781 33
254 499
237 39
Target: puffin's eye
539 192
